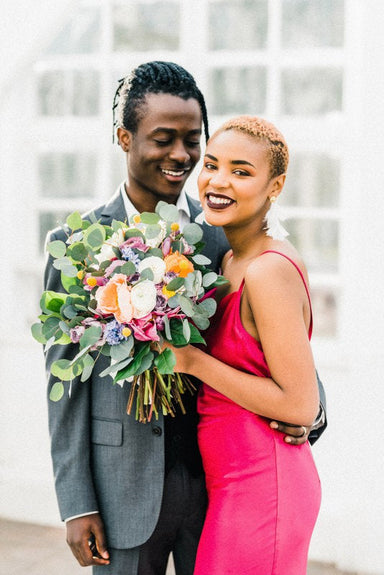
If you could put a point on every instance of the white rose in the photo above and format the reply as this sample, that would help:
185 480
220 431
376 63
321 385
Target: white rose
156 265
155 242
106 252
143 298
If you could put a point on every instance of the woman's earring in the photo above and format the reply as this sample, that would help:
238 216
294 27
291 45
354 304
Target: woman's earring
273 227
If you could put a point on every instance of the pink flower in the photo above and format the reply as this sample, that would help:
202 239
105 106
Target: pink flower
166 247
109 270
76 332
135 243
144 329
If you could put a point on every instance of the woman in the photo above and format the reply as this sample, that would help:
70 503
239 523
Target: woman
264 495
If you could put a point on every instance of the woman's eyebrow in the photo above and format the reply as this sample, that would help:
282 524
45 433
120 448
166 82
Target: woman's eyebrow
234 162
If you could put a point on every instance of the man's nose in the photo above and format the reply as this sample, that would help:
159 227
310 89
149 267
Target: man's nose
179 153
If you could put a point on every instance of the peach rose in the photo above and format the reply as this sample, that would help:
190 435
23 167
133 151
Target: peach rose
178 264
115 298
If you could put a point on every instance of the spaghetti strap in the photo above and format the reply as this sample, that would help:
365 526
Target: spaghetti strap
303 279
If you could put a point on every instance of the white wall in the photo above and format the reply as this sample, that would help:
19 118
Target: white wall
350 454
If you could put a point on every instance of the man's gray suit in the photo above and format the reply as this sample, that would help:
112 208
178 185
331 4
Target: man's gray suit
104 460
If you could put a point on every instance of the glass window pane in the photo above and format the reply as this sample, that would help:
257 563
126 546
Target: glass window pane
237 91
324 306
80 34
139 27
238 25
312 23
311 91
48 221
68 93
67 175
313 180
317 242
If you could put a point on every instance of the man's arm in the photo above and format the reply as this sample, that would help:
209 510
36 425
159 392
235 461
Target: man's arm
69 427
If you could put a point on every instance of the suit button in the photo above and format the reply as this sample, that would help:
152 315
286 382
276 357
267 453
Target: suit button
157 430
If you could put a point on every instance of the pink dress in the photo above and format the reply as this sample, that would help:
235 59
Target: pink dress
263 494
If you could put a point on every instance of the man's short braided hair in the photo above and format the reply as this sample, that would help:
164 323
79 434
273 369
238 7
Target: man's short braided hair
153 78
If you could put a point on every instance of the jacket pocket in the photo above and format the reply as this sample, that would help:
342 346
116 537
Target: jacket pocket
107 432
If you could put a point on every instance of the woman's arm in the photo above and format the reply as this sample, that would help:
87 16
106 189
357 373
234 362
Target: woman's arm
277 299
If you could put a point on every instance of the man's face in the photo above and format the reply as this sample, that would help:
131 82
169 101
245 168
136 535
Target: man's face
163 152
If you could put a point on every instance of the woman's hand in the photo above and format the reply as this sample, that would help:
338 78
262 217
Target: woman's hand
184 357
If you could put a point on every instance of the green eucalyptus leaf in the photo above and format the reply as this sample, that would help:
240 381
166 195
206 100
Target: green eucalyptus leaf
149 218
63 369
134 233
51 328
175 284
165 361
37 333
116 367
69 282
88 364
201 321
94 236
146 274
152 231
201 260
122 350
187 306
156 252
57 391
192 233
209 279
57 248
77 252
91 335
178 339
74 221
167 328
207 307
52 301
186 330
135 366
167 212
128 268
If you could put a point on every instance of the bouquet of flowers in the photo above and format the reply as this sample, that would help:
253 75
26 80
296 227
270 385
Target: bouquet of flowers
128 288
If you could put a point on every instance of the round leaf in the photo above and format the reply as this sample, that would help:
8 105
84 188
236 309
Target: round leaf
149 218
57 391
94 236
74 221
57 248
193 233
168 212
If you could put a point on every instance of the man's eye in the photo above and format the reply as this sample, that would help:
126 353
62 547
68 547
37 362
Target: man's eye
163 142
193 144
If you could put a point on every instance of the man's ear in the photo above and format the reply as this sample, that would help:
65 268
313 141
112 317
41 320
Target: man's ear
124 137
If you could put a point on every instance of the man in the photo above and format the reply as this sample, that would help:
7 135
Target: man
131 493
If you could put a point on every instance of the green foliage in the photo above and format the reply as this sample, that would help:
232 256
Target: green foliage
165 361
74 221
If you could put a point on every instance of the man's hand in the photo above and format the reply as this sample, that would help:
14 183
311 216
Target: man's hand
86 538
294 434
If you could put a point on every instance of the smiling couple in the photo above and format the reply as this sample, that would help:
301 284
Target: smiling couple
130 493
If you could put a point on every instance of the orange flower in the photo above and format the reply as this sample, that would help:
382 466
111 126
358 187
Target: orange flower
178 264
115 298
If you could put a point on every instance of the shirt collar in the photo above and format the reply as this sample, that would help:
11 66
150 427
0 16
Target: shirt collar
181 204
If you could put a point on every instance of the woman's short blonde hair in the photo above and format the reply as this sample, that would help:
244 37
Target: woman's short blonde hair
265 131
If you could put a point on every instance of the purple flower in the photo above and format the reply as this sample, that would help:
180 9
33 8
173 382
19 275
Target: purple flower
129 255
113 332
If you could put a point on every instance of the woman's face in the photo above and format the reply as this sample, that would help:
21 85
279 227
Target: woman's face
235 182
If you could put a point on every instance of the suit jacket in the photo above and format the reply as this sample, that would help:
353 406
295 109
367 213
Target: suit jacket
103 459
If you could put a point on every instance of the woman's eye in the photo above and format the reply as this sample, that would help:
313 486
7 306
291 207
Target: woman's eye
241 173
209 166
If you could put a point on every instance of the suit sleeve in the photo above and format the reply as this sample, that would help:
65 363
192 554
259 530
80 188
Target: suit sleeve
321 422
69 426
